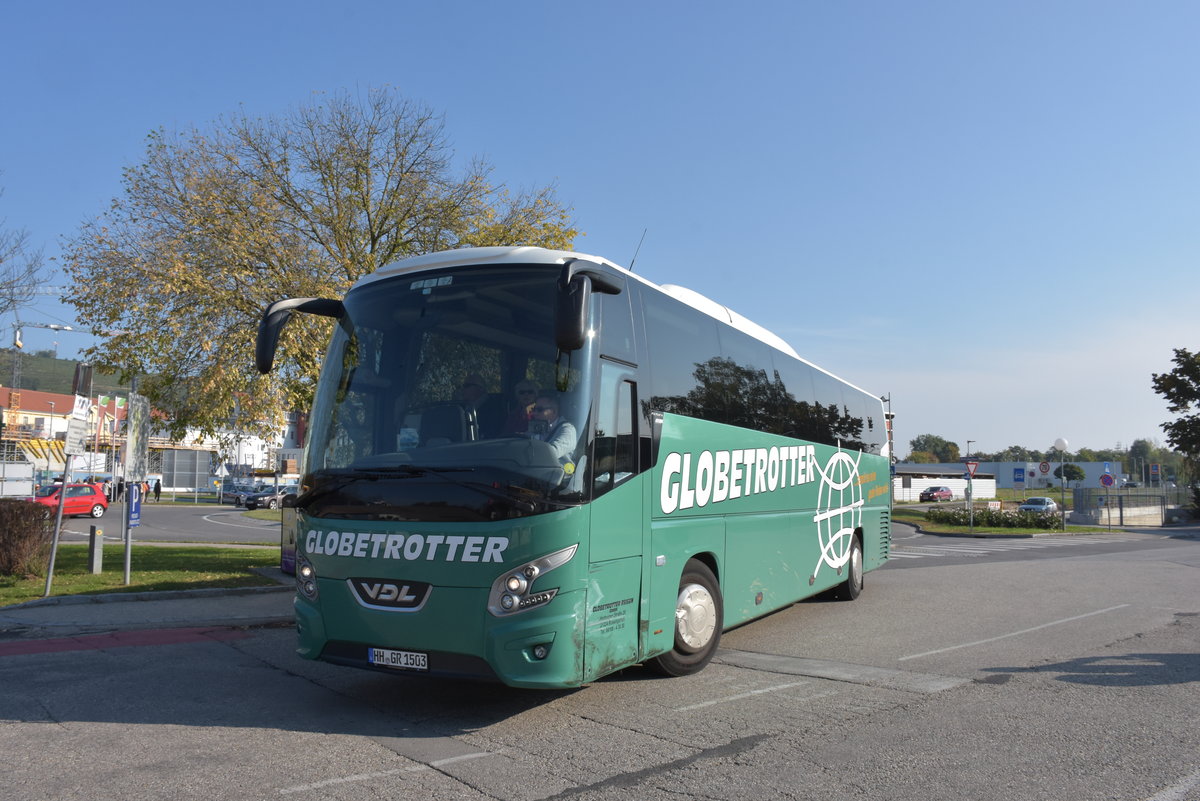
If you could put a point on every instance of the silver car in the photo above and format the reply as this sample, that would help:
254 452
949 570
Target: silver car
1038 505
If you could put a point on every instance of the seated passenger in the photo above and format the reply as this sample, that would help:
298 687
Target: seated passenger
518 418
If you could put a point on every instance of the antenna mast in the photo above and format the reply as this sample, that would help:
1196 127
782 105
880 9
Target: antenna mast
637 249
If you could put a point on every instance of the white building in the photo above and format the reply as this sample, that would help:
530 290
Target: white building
1023 475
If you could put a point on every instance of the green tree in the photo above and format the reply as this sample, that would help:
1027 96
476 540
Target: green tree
1016 453
1181 388
20 268
943 450
212 225
1073 472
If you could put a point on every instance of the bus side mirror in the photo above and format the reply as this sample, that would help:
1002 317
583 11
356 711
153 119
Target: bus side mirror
275 318
571 314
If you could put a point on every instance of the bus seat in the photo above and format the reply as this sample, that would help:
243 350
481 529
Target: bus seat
441 425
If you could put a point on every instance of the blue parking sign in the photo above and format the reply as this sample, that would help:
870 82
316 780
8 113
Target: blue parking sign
135 504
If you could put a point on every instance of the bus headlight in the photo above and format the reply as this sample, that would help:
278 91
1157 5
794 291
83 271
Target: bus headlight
513 591
306 577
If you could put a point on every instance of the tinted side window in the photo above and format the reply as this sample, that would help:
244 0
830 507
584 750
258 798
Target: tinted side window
870 412
749 380
796 383
680 342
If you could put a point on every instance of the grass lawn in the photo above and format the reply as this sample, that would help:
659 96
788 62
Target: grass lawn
151 568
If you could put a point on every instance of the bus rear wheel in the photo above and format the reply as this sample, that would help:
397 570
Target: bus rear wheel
852 587
699 616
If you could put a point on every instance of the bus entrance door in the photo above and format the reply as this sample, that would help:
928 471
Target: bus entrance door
614 588
615 552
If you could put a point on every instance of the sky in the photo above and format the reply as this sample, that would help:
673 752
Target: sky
986 211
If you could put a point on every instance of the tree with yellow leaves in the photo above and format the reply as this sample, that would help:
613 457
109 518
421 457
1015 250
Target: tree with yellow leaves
214 225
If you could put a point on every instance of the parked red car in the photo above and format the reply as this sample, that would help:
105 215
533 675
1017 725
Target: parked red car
937 494
81 499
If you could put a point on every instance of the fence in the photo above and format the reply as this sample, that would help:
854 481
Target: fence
1136 507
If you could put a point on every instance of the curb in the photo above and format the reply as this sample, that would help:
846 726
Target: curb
157 595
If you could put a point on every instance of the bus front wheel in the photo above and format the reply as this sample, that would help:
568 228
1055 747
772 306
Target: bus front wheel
699 613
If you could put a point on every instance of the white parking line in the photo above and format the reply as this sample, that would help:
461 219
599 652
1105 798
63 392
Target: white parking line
1179 790
740 696
260 524
363 777
1013 634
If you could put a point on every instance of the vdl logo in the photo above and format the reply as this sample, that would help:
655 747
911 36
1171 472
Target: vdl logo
839 510
388 595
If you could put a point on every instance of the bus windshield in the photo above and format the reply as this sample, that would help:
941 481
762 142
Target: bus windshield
444 398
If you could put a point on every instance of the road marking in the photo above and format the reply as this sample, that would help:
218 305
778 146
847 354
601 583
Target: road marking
741 696
1014 633
364 777
259 524
849 672
1179 790
988 548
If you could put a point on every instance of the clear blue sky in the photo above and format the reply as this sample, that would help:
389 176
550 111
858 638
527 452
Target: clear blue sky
989 211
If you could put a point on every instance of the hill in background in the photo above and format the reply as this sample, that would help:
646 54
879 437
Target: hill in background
41 371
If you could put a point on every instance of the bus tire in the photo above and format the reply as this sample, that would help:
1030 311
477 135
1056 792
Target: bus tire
852 587
699 617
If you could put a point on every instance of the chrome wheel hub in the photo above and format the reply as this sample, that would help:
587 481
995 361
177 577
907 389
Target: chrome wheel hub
695 617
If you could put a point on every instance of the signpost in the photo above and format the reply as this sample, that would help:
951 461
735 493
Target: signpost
136 455
971 468
1106 481
75 445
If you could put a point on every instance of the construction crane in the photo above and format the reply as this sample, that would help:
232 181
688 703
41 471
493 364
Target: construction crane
18 344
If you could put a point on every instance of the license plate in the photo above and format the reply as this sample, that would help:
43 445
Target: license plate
400 660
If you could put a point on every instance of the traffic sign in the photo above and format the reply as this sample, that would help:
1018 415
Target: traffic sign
972 467
1106 479
76 442
1044 467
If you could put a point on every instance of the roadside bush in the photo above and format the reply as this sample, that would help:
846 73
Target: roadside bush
26 534
994 518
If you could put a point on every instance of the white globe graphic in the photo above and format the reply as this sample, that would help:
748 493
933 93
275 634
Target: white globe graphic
839 510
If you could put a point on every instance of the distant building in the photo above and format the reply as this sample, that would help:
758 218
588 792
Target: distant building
1025 475
35 430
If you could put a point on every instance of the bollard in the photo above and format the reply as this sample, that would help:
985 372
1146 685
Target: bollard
96 550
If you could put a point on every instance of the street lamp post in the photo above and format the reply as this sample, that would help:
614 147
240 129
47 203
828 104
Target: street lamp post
1061 445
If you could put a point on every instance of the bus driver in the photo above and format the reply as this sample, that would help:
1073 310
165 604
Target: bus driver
547 425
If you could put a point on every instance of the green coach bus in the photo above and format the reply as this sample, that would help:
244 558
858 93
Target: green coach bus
537 467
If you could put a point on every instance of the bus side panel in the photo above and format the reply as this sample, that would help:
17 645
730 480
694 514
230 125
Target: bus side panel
672 543
767 567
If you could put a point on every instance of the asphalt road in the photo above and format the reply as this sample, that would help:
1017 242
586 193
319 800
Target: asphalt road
205 523
1064 672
